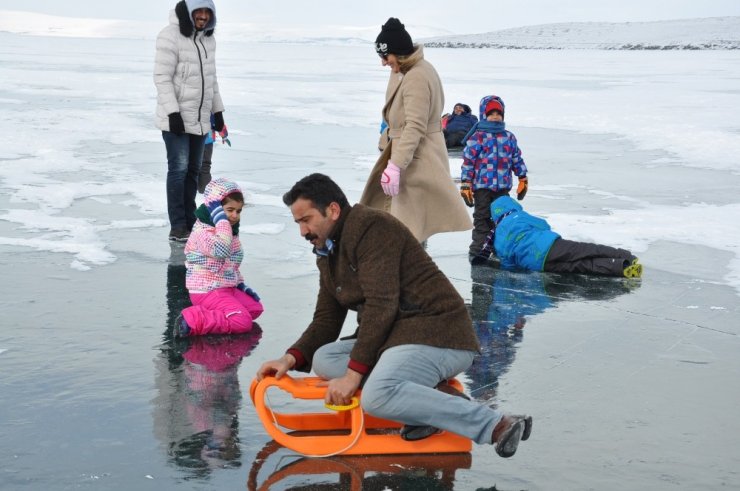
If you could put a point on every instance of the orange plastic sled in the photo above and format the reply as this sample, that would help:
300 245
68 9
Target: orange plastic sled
351 432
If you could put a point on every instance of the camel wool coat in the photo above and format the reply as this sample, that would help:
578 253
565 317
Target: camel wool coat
428 201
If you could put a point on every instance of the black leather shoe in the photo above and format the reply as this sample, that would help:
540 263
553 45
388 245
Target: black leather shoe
476 260
527 426
179 234
412 433
509 436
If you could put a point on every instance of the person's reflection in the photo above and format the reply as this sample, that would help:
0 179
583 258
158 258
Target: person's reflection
199 397
504 300
418 471
212 400
177 294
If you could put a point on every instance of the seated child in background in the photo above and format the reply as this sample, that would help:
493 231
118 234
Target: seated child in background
222 303
490 154
524 241
456 125
204 177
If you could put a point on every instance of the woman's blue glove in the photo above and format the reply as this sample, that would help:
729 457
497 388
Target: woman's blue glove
217 211
248 291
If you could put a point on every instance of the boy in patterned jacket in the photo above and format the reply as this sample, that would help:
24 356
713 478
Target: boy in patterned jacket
490 155
222 302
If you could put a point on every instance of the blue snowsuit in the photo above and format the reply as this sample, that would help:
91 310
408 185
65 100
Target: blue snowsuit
521 240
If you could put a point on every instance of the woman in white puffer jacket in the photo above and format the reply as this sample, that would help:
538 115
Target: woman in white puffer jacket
187 94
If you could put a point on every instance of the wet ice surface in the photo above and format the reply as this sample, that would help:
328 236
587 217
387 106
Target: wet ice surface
632 385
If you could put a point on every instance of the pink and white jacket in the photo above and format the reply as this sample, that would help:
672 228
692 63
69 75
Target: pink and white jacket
213 254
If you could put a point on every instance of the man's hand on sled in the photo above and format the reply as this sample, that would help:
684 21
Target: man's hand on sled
339 391
276 368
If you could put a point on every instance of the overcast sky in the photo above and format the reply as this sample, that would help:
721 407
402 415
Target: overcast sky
461 17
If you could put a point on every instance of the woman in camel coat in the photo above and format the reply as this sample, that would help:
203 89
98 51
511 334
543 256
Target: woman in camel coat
411 179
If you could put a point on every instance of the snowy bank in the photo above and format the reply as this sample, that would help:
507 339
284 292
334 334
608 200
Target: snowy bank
693 34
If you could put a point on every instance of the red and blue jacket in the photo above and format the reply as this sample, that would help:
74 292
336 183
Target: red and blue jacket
490 155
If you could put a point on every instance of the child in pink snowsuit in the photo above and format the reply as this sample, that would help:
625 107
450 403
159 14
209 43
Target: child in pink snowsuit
222 303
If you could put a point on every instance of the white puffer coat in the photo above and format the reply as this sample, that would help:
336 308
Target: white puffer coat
185 70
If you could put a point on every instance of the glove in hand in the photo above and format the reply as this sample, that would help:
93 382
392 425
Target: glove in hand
217 211
249 291
521 190
390 181
177 125
224 134
467 194
218 121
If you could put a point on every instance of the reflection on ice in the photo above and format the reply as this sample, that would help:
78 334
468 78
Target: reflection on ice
199 397
503 301
274 467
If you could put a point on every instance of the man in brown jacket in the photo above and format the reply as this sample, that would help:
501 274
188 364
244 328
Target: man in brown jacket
414 331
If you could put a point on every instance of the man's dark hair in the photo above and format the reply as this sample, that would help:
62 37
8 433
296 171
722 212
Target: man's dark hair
318 188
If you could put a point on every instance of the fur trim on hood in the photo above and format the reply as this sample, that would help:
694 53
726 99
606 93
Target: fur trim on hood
184 11
466 108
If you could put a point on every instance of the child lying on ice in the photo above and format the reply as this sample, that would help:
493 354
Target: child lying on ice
524 241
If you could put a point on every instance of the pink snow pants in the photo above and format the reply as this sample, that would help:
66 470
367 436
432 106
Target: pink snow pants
221 311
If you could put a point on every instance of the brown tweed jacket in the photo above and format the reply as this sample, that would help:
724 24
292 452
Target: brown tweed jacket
379 269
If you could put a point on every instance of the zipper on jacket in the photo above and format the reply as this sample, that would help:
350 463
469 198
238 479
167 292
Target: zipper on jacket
202 81
204 47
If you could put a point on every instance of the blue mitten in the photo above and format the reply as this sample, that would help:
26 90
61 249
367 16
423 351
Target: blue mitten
248 291
216 211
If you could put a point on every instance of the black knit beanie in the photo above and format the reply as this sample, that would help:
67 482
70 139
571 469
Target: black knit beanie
393 39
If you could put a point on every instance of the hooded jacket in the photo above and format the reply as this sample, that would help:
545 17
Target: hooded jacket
213 254
490 155
521 240
185 70
461 122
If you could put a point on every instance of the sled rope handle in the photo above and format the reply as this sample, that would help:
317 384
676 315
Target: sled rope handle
352 405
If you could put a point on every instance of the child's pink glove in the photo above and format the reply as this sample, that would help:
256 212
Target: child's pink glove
390 181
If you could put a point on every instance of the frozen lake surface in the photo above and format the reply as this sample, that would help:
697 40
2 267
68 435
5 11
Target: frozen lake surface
632 384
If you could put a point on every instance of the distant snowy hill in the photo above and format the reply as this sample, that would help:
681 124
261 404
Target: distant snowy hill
707 33
35 24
